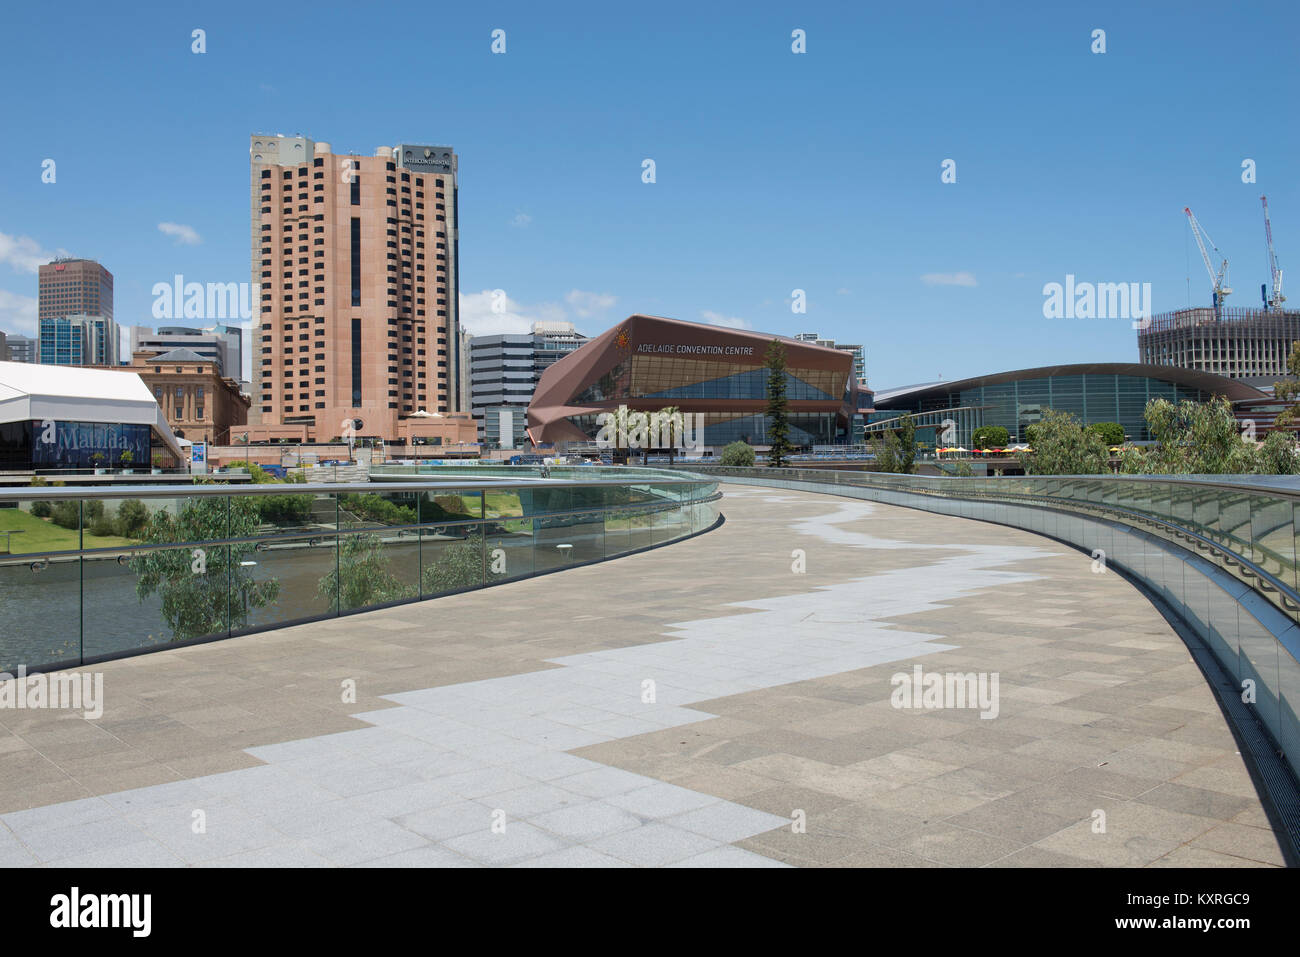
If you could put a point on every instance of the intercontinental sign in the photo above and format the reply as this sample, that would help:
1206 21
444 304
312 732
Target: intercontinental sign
684 349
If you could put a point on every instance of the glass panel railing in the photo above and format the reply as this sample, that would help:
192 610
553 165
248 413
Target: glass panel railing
452 558
89 573
40 601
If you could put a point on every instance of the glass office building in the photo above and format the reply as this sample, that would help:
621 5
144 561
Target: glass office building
78 341
1097 392
648 363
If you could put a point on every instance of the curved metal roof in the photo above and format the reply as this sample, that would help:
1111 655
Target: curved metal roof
1234 389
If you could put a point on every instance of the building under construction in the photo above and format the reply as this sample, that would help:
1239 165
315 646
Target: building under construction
1250 344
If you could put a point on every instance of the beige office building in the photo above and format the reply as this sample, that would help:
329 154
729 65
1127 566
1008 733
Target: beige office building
354 258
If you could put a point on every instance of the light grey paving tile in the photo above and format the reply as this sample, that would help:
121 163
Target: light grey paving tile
346 781
573 857
474 784
604 782
226 830
313 820
16 855
159 795
364 842
147 853
549 767
278 855
519 841
653 845
727 822
661 800
84 811
52 844
450 820
727 856
404 799
533 799
431 855
585 822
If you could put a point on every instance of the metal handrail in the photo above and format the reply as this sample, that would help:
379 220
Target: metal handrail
317 532
58 492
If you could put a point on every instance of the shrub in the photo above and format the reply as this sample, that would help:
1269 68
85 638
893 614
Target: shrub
41 509
132 517
103 527
1112 433
738 454
256 474
990 437
65 514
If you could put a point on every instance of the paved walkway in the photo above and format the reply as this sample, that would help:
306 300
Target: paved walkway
702 704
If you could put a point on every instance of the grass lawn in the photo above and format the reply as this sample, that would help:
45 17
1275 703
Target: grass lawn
35 535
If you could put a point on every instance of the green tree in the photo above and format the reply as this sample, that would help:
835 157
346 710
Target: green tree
1277 454
1196 438
778 420
990 437
1111 433
739 454
1288 390
459 565
362 577
1204 438
1061 446
201 584
132 518
895 449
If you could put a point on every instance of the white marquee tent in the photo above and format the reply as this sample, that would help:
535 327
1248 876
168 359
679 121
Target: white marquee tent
72 394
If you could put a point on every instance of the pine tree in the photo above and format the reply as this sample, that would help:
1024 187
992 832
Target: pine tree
778 422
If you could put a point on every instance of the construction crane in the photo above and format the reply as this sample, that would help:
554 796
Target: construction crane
1276 299
1219 279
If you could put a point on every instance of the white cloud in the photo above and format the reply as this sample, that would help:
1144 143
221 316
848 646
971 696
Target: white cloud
521 220
842 291
586 304
492 312
24 253
184 235
509 317
17 314
730 322
949 279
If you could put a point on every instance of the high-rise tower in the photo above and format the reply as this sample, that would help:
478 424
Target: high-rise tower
355 259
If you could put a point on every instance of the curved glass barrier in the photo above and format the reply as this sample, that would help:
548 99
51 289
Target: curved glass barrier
88 574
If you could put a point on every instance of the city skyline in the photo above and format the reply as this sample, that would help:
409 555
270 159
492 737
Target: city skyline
773 170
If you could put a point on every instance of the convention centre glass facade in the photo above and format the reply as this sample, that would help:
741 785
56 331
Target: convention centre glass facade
651 363
1018 403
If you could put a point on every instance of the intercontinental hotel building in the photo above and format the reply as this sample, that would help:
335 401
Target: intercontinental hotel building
355 261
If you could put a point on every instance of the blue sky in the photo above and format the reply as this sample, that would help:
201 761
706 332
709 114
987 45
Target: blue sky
775 171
